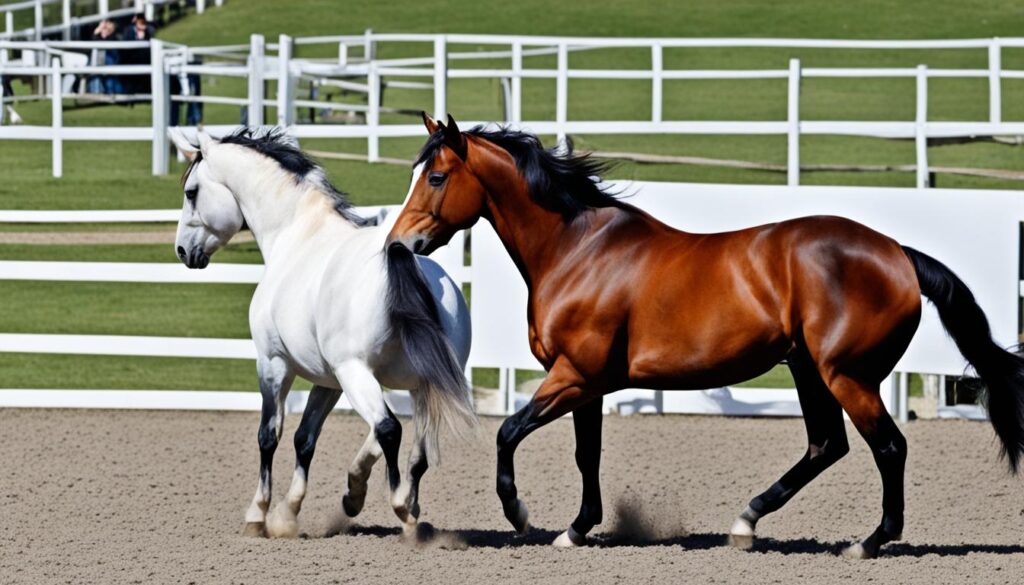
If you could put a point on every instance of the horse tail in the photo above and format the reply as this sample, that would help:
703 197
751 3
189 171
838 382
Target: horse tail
1001 371
442 397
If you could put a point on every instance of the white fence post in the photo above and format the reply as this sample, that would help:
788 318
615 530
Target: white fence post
285 93
200 6
995 82
793 117
219 2
373 114
65 19
920 138
104 6
369 50
257 46
440 77
656 67
37 20
517 83
562 91
342 54
150 11
57 113
160 98
9 22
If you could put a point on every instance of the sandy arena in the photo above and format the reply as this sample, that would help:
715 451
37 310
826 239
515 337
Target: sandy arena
159 497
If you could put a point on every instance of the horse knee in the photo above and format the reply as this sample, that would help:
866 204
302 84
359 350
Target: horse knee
267 438
305 445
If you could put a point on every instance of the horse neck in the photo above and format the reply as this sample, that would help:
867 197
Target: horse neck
270 199
532 235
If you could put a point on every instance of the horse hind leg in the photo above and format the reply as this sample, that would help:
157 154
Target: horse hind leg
826 444
282 522
367 398
889 448
359 474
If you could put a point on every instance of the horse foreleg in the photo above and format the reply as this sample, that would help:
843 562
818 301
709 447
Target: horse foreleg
586 421
275 382
282 521
560 393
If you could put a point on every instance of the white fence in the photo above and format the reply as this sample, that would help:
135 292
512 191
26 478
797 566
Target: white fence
67 22
976 233
434 72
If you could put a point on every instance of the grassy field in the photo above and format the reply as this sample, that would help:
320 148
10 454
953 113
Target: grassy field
115 175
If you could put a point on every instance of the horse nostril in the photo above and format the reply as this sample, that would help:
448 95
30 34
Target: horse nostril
181 252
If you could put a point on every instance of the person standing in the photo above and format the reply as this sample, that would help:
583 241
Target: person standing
140 30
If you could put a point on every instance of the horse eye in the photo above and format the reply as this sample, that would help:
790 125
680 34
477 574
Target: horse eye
191 194
436 179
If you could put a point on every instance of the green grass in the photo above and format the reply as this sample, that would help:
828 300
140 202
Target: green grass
23 370
191 310
118 178
244 253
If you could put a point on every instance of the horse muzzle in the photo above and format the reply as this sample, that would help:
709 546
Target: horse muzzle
194 258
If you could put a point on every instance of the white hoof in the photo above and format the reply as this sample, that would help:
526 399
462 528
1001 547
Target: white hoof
856 551
282 522
569 539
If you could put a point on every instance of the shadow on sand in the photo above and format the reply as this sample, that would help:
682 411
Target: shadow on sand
472 538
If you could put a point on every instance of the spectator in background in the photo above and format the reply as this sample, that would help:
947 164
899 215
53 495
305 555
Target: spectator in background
107 31
188 85
140 30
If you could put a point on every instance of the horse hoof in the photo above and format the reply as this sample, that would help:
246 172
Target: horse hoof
282 523
857 551
351 508
569 539
742 541
254 530
741 535
520 518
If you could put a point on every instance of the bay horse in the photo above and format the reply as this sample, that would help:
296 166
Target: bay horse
333 308
618 299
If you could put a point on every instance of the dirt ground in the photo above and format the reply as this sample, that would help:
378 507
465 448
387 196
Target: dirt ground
159 497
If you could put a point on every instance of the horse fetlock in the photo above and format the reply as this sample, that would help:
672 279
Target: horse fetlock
518 515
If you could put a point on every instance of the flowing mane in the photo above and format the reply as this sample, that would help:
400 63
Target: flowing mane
276 145
558 179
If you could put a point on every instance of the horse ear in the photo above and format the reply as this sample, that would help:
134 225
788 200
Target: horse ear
429 122
453 137
186 148
205 141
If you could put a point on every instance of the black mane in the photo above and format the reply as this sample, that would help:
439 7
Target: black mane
275 145
558 179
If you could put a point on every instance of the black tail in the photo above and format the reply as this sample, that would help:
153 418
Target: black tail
443 396
1001 371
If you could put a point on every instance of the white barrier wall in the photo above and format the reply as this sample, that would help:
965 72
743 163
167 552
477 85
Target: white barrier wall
975 233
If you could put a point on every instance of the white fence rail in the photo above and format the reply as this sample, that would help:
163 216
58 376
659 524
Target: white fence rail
102 10
276 62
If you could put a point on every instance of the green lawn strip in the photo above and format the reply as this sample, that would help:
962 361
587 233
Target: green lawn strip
173 310
243 253
31 370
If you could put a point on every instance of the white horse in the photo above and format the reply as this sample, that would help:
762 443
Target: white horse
333 307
